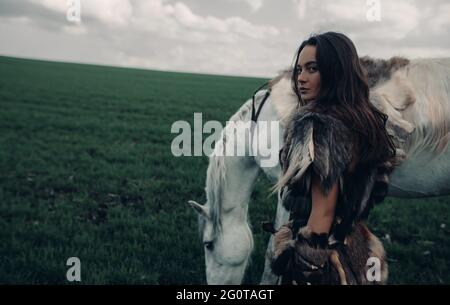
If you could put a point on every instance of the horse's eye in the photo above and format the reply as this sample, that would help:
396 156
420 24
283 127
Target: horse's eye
208 245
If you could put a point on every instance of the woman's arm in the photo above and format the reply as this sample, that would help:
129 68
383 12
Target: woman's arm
323 207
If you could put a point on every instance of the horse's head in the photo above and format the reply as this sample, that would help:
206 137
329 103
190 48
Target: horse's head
227 244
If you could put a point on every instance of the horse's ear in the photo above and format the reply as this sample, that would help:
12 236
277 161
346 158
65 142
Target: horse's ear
200 209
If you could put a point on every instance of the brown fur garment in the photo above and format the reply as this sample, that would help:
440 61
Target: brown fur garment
379 70
321 144
343 264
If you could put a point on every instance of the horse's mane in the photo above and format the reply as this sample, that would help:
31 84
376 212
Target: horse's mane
216 173
431 79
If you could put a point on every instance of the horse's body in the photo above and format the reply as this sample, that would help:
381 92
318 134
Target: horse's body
417 100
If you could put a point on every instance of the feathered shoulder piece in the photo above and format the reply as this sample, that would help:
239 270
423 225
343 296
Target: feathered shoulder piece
317 142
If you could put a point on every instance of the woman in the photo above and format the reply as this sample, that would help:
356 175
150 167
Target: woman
336 160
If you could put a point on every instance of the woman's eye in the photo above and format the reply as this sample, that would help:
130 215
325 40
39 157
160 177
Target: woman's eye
309 69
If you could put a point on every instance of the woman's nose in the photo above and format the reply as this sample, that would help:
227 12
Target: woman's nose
301 78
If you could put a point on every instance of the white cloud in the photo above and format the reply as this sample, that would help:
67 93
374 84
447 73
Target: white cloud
409 52
75 29
354 10
19 20
255 5
300 7
440 18
55 5
179 21
244 27
110 12
223 37
161 17
184 15
398 18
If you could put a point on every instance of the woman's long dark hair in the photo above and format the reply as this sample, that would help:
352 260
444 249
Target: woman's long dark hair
344 93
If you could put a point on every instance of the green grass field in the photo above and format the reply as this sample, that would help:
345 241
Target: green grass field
86 170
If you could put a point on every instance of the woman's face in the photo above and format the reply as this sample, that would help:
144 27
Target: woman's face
308 74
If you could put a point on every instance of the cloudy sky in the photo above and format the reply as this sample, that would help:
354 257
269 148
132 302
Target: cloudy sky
233 37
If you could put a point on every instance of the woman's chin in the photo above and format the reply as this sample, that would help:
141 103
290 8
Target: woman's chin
306 98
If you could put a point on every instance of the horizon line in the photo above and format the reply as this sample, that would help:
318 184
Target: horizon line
127 67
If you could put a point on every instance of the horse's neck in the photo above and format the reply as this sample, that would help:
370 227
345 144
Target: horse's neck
270 114
232 176
240 177
426 169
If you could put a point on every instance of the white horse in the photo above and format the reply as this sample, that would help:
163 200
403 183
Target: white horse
417 99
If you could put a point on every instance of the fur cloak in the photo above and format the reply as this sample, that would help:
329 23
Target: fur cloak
322 144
